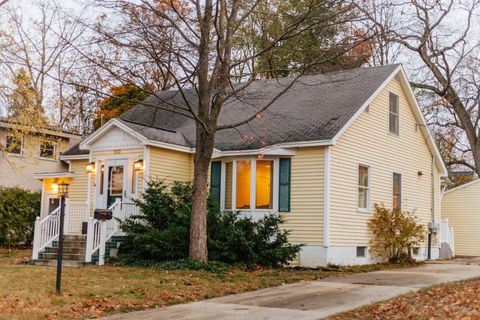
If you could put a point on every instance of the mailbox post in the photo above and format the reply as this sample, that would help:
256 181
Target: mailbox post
103 215
63 193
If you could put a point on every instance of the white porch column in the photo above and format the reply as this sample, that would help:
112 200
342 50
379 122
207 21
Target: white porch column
36 239
103 240
90 234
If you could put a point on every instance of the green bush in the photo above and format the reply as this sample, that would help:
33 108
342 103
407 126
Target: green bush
18 210
161 233
395 233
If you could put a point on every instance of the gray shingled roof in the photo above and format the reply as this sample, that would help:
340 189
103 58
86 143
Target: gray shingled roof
75 150
315 108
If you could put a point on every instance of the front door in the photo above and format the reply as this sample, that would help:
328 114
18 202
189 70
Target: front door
115 173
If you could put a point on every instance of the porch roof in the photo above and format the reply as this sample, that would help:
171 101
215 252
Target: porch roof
47 175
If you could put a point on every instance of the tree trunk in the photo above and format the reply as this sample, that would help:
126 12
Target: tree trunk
198 226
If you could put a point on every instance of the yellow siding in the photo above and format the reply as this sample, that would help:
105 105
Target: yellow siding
128 153
368 141
169 165
462 208
78 189
18 171
305 220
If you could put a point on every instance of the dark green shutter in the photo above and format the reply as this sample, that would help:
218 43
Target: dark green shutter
215 180
284 183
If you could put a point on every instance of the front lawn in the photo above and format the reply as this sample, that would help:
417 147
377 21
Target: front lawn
27 292
457 300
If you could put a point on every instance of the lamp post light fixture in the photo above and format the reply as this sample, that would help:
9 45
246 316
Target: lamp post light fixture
62 193
90 167
138 165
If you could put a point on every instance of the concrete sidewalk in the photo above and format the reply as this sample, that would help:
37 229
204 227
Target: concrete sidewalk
315 299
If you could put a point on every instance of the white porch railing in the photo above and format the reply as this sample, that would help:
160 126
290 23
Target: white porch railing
75 214
99 232
46 231
447 235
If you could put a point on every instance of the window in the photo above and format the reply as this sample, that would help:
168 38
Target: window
361 252
393 115
13 145
397 191
47 149
416 251
228 185
363 187
244 174
264 184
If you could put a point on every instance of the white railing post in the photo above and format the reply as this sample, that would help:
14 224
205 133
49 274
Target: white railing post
103 240
36 239
90 234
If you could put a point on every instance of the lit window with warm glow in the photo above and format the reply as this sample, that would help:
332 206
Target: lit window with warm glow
244 169
263 180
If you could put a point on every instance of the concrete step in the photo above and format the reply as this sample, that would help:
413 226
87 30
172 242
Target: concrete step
66 250
53 263
69 237
71 244
66 256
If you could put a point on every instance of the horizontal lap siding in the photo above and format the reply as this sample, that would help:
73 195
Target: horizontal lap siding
169 165
368 141
78 188
462 209
305 219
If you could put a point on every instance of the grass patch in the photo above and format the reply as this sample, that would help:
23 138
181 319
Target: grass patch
27 292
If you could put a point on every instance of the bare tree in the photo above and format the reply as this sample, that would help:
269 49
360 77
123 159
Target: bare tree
41 45
196 46
442 51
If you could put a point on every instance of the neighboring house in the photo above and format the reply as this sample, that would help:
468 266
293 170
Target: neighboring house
26 151
461 206
322 155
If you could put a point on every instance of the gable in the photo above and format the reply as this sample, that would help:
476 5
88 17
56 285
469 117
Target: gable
115 138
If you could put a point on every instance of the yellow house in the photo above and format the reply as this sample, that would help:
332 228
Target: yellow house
461 209
25 151
321 155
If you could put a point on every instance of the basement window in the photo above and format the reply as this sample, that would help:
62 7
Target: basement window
361 252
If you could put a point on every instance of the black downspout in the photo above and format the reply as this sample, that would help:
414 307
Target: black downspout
429 257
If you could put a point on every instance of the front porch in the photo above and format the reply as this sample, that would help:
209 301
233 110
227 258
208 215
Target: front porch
85 238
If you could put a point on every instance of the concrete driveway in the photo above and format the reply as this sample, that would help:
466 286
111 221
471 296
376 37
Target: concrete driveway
316 299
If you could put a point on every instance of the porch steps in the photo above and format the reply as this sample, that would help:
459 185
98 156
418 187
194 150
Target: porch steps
110 246
73 252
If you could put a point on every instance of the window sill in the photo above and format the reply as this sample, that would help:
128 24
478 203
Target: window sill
361 210
15 155
47 159
394 134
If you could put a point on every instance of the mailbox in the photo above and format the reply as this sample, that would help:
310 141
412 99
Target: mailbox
102 214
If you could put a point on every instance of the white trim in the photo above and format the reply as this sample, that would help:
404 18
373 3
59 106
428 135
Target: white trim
75 157
416 111
401 188
423 124
369 181
86 144
462 186
270 151
130 147
169 146
365 105
45 131
146 165
47 175
253 184
234 185
326 196
54 157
